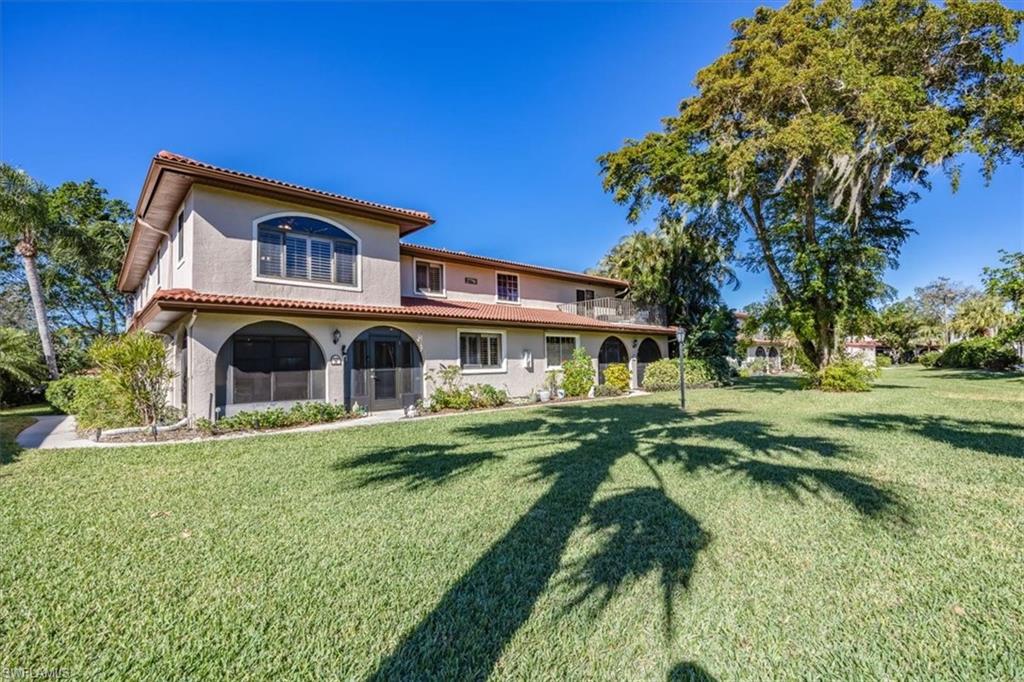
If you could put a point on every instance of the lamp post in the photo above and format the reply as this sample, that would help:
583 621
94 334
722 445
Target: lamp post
681 340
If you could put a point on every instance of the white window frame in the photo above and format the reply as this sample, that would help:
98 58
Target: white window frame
519 288
179 245
547 360
288 281
502 369
444 274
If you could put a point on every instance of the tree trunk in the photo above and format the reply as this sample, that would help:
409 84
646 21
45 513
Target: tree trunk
35 290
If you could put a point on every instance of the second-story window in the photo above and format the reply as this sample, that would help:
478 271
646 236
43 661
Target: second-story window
429 277
305 248
508 287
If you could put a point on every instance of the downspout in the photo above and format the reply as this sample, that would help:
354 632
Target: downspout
191 352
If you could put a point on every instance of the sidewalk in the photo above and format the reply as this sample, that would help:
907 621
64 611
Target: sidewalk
58 431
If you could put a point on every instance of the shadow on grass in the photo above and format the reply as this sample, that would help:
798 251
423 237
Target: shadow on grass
972 374
10 451
991 437
688 671
768 384
642 531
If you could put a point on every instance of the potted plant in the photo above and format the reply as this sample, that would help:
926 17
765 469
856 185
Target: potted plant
549 388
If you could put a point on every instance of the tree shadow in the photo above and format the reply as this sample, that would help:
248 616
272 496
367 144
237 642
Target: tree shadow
573 449
768 384
991 437
688 671
10 451
646 533
972 374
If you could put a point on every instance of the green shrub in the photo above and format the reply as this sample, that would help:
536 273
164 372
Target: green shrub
663 375
485 395
606 391
450 394
577 374
980 353
928 359
843 376
757 366
61 393
98 405
300 414
883 360
135 374
617 376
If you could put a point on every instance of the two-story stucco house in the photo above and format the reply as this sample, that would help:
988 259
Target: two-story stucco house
268 293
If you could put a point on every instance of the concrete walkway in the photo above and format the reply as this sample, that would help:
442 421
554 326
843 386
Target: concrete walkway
53 431
58 431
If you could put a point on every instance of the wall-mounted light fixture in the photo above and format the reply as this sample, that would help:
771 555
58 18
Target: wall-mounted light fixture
634 344
336 336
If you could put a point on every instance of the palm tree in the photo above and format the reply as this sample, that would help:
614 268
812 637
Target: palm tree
19 363
979 316
24 221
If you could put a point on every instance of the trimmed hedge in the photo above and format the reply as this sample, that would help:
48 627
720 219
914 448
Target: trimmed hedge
981 353
577 374
61 392
299 414
883 360
928 359
663 375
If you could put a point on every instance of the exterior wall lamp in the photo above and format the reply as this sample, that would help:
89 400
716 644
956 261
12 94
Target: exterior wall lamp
336 336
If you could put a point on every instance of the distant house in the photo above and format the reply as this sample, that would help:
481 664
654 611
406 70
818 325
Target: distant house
268 293
762 347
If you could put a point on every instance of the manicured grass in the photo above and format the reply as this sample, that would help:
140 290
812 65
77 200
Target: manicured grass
769 533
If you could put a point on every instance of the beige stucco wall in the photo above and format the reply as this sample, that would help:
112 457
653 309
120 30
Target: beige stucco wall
534 291
438 344
223 256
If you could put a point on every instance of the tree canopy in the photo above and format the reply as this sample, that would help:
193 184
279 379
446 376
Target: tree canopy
813 131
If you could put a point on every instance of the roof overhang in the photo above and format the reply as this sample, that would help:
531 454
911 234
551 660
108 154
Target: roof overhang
167 306
170 177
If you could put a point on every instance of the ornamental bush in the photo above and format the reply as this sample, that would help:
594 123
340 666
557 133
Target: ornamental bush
577 374
61 392
450 394
135 374
617 376
606 391
300 414
883 360
844 376
663 375
980 353
928 359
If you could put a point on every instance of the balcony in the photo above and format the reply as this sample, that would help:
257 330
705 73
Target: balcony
616 310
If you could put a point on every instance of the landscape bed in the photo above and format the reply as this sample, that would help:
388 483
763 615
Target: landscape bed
769 532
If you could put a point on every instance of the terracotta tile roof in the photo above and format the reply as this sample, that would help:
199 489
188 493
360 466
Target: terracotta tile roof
411 308
420 250
171 156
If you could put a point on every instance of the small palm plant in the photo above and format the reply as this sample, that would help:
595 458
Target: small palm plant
19 360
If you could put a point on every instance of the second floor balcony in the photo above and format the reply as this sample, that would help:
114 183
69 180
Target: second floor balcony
616 310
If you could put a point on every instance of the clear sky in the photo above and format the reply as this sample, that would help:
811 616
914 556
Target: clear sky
490 116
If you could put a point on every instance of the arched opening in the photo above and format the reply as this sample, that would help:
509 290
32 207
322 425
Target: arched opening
760 353
384 370
647 353
299 246
268 363
612 351
774 359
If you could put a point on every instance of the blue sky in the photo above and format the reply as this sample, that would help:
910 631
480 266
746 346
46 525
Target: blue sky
490 116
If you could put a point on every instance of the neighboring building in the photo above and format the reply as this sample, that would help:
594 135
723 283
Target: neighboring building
268 293
761 347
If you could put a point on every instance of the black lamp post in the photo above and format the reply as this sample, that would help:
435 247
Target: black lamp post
681 341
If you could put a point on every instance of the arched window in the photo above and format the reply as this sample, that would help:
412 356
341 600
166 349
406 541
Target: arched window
269 362
648 351
759 353
306 248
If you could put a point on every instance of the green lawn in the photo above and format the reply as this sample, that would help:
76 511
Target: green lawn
769 533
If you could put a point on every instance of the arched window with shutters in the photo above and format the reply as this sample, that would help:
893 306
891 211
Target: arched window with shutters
298 248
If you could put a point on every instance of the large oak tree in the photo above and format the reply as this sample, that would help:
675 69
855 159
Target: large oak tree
815 129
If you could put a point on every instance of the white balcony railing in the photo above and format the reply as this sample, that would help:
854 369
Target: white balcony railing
616 310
